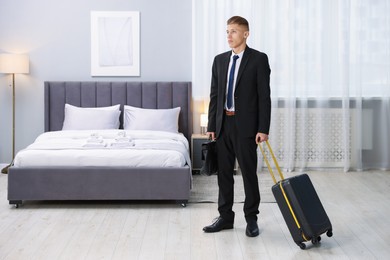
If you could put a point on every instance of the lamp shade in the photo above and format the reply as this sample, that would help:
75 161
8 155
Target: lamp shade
14 63
203 120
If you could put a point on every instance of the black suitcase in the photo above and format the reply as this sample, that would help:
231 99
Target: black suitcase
300 206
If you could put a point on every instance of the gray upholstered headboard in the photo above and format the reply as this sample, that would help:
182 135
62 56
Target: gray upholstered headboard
98 94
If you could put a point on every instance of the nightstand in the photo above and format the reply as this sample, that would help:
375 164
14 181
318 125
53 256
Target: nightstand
196 154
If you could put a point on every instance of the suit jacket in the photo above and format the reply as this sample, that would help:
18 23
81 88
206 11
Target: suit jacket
252 99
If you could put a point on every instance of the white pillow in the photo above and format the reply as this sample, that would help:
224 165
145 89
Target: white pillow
135 118
91 118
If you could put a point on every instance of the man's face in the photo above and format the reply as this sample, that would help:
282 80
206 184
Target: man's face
236 35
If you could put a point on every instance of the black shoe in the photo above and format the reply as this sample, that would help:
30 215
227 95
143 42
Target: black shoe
252 230
218 225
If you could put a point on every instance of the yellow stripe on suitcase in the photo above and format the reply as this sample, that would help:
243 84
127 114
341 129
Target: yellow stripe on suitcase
280 183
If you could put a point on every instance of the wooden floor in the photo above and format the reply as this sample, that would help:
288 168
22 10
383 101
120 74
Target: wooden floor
358 205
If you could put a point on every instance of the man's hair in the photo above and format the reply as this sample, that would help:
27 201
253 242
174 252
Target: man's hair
239 20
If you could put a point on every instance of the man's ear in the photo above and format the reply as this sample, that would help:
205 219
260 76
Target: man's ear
246 34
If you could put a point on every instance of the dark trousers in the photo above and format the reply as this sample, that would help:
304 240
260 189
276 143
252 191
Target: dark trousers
231 146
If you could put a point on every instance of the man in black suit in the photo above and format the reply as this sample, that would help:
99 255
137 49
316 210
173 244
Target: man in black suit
239 119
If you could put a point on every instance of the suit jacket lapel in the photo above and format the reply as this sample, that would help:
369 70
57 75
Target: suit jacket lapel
244 61
225 67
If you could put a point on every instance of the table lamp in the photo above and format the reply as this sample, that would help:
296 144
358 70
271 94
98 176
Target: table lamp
203 123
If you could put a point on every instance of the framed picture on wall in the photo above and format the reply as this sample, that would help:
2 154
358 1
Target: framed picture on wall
115 43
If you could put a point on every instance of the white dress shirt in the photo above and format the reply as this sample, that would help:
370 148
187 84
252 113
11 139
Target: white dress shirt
238 62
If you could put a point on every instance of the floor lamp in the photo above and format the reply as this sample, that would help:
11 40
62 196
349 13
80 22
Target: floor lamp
12 64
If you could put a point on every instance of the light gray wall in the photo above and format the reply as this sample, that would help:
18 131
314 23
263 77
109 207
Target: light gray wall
56 35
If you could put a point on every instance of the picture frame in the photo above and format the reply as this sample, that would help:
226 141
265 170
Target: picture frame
115 43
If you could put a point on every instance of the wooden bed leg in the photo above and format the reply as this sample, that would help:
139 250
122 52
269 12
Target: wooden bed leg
17 203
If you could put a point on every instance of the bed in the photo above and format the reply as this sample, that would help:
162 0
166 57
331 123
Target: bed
106 182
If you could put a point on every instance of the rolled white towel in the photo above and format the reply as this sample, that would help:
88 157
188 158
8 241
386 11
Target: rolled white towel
122 144
122 133
123 140
122 137
94 145
95 138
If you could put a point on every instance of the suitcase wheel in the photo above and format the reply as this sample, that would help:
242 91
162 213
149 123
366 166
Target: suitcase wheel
316 240
329 233
301 245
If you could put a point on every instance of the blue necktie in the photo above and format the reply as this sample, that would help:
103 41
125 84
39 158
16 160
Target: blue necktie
231 83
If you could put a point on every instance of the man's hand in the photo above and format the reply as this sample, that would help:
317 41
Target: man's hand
211 135
260 137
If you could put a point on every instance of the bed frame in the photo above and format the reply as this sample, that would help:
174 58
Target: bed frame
106 183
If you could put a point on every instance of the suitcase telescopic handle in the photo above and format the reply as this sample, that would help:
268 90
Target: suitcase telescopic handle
268 164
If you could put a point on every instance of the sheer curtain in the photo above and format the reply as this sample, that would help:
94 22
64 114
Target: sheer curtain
330 78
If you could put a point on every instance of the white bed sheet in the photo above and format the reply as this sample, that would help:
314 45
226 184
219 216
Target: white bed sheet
67 148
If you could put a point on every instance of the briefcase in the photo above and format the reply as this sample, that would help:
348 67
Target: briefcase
209 157
300 205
